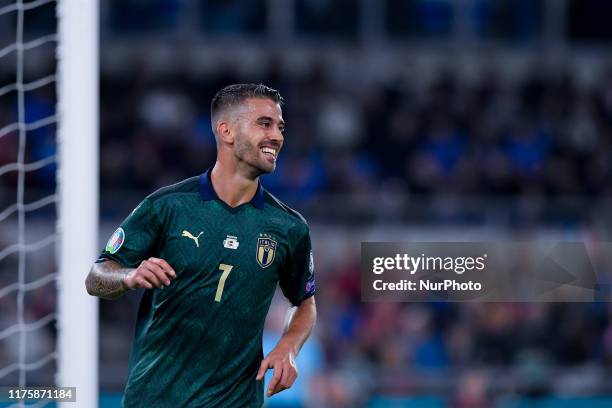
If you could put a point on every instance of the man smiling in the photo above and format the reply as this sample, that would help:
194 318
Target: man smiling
210 251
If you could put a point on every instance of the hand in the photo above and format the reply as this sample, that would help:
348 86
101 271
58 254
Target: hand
285 371
153 272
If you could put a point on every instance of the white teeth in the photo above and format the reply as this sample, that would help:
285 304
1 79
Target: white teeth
269 150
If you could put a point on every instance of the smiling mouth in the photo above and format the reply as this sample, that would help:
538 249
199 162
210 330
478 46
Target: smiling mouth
270 152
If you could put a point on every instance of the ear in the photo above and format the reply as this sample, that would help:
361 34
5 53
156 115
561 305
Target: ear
224 131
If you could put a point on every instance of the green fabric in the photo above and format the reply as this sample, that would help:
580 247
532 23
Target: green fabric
190 350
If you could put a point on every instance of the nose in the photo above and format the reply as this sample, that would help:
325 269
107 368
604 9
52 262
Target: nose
277 136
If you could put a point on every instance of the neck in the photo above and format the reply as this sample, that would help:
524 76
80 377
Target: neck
231 186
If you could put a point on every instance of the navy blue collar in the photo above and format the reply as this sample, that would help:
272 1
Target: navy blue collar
207 192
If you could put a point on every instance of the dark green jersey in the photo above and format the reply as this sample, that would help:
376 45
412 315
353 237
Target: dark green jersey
198 341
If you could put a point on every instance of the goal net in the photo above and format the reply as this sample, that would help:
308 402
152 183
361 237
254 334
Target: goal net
48 158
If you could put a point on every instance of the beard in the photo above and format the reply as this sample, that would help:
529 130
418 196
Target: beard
251 156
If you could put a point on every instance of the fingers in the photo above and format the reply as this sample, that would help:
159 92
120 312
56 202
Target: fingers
164 265
152 278
134 280
263 367
283 377
141 282
288 377
278 371
153 272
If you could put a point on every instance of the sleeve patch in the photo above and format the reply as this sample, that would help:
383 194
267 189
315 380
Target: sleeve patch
310 286
311 263
116 241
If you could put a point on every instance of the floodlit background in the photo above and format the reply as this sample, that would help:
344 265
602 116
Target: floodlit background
406 120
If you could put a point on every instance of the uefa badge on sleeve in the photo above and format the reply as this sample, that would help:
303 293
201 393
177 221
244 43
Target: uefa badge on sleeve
115 241
310 286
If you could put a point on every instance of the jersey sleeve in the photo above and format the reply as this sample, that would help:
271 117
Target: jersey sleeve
297 279
136 238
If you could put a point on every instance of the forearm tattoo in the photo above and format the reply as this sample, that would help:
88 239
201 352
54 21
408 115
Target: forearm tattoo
105 280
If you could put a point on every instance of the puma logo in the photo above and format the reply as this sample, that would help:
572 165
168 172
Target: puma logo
195 239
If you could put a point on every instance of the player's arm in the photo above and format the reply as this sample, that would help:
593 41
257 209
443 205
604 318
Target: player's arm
126 262
282 358
110 280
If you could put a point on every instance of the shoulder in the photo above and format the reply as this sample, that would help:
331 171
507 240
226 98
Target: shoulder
158 204
290 215
186 187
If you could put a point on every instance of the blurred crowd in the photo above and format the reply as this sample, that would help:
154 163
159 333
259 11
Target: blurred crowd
514 20
541 137
509 21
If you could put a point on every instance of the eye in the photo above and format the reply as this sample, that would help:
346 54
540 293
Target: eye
265 124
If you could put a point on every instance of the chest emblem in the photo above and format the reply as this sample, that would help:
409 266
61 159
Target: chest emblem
266 249
190 236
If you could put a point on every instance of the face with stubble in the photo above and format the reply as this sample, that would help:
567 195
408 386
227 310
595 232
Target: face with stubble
257 129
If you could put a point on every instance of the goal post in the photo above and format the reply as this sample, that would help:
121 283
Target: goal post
77 226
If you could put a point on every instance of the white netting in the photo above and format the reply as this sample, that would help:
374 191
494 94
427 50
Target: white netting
27 193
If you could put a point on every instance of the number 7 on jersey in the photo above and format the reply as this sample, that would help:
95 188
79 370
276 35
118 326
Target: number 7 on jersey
226 269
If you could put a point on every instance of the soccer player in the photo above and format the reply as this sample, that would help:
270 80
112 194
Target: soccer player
209 252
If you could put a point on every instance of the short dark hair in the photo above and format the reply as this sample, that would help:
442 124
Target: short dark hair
236 93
